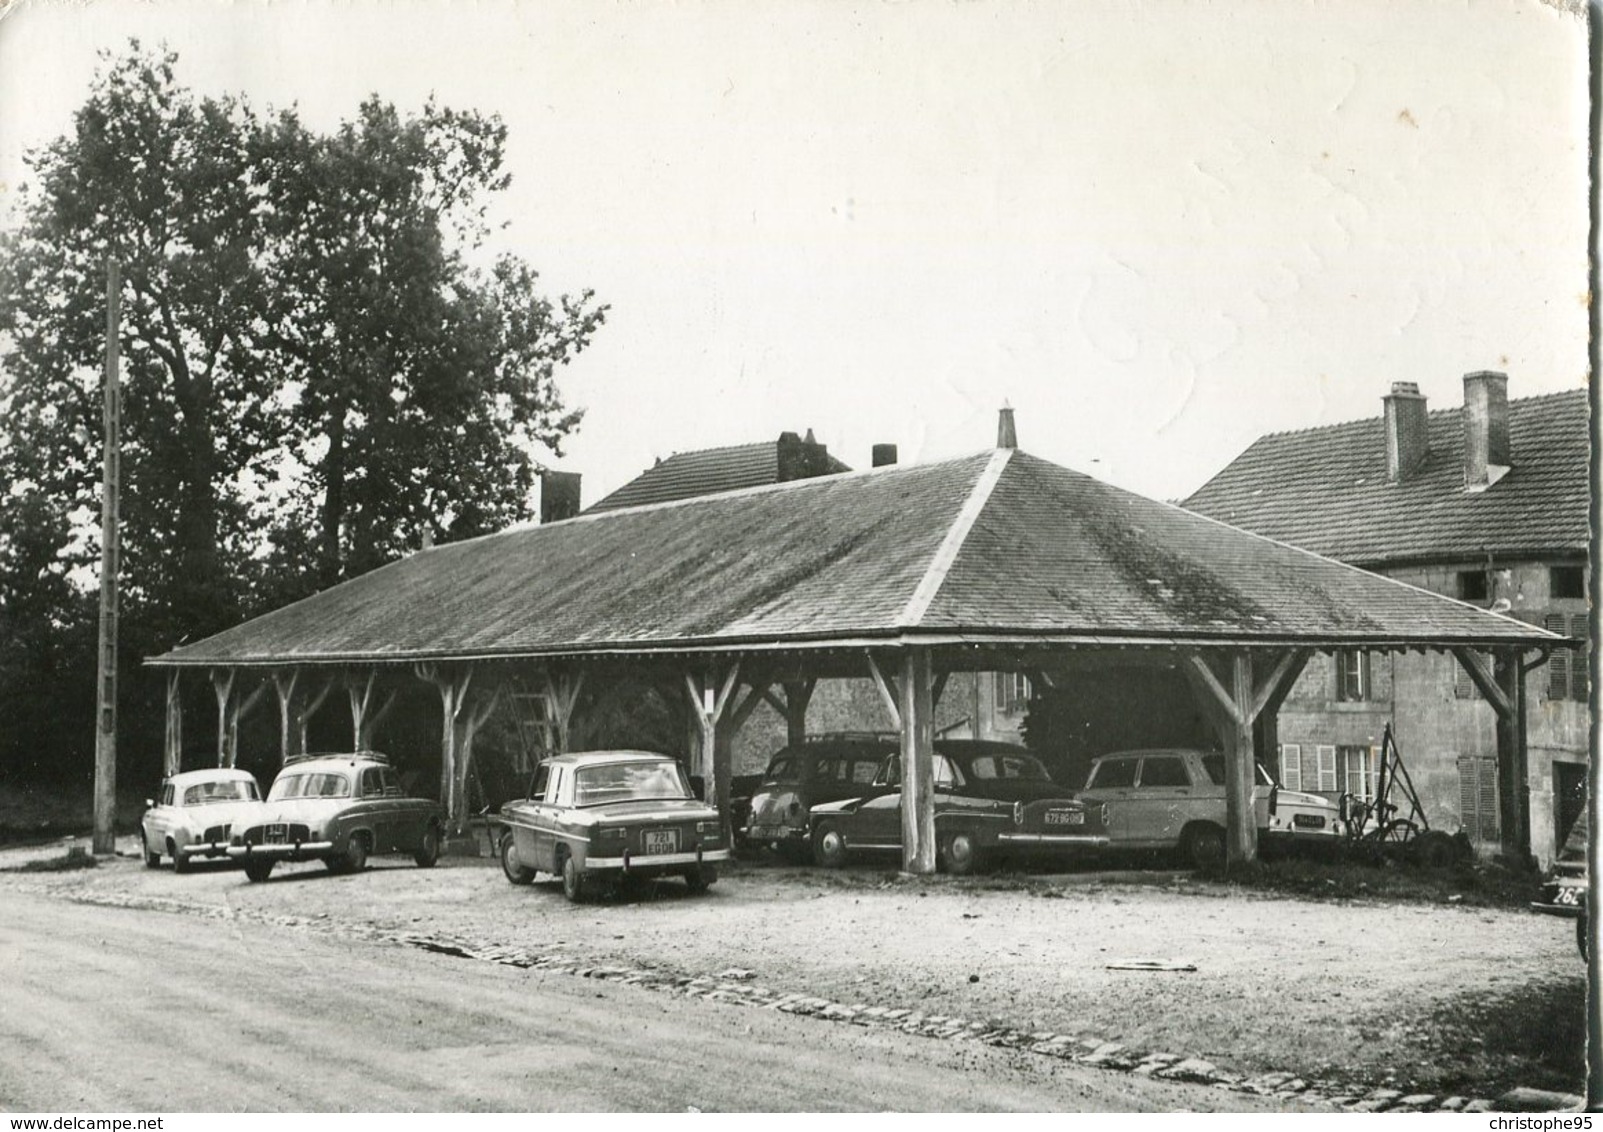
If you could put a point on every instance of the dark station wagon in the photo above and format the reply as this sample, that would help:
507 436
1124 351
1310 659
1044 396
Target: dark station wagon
823 768
992 800
611 815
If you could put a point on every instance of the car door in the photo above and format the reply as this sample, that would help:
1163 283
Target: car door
159 819
373 811
1165 799
1113 781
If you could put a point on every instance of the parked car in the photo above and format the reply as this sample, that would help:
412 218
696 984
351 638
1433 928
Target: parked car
611 815
1564 887
991 800
195 814
340 809
824 768
1175 799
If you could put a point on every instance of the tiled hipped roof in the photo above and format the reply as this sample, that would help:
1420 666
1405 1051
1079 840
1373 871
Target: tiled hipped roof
706 472
1326 489
999 545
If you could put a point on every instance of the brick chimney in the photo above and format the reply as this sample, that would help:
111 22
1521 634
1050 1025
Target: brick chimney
1407 430
559 496
1006 435
883 454
801 458
1486 448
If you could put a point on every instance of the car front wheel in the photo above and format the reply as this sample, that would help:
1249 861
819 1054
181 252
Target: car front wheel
1203 845
152 860
258 871
514 869
699 877
829 847
428 850
572 879
180 865
960 854
355 855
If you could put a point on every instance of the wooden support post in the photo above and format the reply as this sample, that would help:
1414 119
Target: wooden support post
285 682
105 796
918 758
360 692
1503 686
238 709
1241 824
798 695
1515 784
453 688
1233 712
173 747
308 708
561 694
223 689
468 724
708 700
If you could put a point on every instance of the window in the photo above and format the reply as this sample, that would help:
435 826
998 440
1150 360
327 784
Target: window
1012 692
1566 668
372 783
1325 769
1477 798
1566 581
1352 676
167 794
1472 585
946 775
1291 766
542 776
1463 687
1115 773
1360 771
1164 772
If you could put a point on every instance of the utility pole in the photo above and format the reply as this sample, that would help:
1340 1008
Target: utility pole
106 682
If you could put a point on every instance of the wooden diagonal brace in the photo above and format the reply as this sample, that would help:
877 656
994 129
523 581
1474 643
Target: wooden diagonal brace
1475 665
885 692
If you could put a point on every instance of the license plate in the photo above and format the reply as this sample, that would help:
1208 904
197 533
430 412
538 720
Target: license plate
1308 821
1566 896
1065 817
661 841
275 834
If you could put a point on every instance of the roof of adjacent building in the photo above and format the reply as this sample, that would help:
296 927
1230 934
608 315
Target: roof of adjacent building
995 547
705 472
1326 489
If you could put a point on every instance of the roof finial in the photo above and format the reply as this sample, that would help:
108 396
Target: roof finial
1006 435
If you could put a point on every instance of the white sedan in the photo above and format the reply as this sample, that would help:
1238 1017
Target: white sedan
196 814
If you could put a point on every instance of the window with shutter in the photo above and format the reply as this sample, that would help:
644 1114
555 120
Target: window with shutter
1477 798
1463 687
1578 662
1291 766
1558 663
1326 763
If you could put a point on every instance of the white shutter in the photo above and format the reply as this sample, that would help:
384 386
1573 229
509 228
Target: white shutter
1291 766
1326 756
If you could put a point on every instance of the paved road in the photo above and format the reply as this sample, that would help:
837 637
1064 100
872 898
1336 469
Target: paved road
112 1009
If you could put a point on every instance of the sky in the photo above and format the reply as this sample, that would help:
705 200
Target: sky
1157 229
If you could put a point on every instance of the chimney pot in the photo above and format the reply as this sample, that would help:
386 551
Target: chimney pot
884 454
1486 445
1006 434
1407 430
559 495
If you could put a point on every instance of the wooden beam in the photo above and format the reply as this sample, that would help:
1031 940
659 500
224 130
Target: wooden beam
1475 665
1271 683
223 689
885 693
173 747
1224 700
284 682
1241 824
938 688
918 759
798 695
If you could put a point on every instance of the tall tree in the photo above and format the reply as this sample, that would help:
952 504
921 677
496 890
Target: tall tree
320 357
424 386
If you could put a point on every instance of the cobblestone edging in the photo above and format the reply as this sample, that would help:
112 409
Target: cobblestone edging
737 986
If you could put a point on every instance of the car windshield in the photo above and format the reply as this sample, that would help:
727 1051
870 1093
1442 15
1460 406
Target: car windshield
1215 766
228 790
984 767
618 782
310 786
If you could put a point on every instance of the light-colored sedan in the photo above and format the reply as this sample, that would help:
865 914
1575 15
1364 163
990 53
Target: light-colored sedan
1175 799
195 814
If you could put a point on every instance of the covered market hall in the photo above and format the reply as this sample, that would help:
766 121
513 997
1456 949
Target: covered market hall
993 562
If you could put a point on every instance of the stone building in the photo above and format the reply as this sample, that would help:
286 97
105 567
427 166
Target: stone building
1486 503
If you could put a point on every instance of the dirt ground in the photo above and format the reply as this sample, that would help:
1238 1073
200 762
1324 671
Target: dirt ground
1438 998
115 1009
